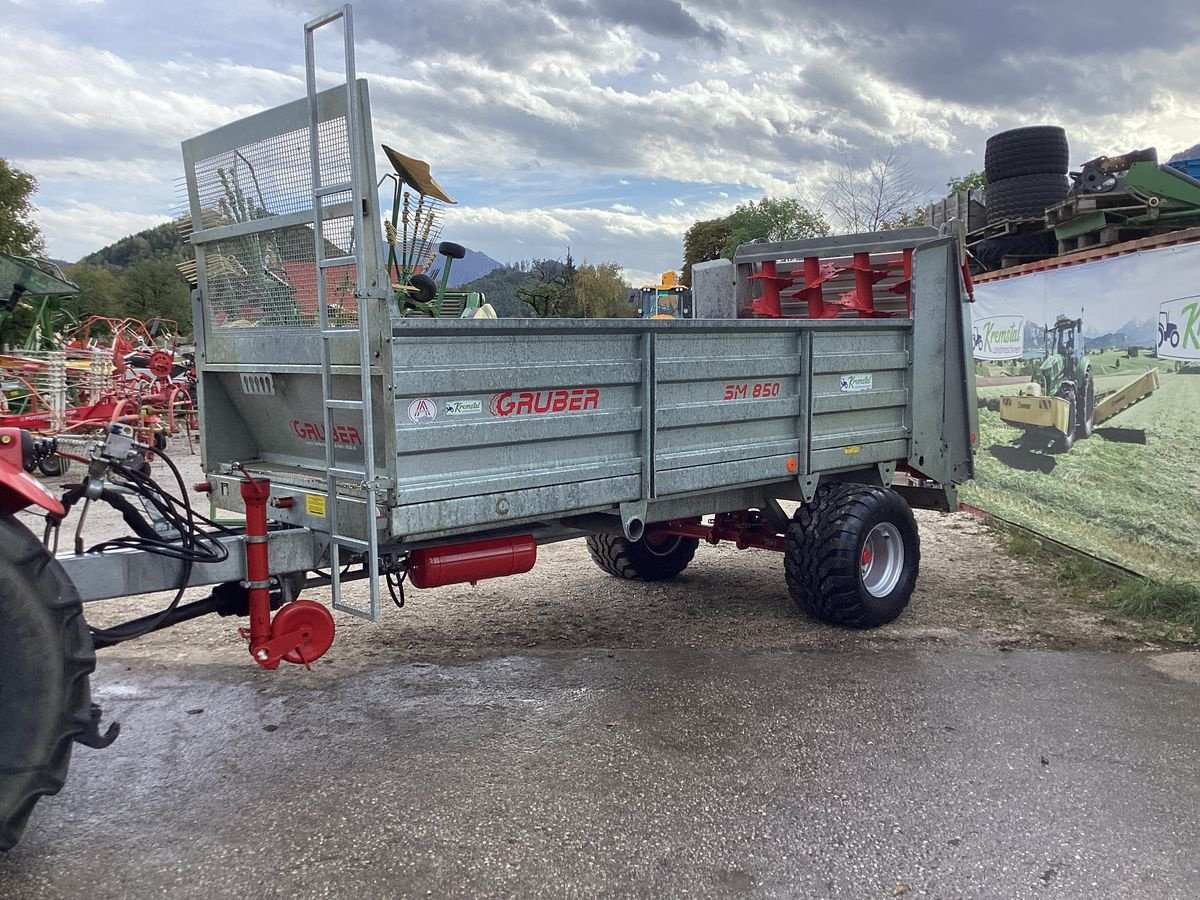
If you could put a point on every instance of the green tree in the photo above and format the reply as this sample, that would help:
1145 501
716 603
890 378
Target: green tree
18 234
906 219
545 289
601 292
775 219
100 291
569 273
971 181
154 288
703 241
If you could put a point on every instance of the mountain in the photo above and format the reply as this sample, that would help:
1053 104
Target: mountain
472 267
1140 333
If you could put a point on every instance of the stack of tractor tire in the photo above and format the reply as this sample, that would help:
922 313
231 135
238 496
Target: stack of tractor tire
1026 172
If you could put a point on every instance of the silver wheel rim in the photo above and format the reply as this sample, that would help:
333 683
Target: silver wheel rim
882 560
662 548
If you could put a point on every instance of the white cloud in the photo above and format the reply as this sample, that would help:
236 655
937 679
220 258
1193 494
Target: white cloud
556 95
78 229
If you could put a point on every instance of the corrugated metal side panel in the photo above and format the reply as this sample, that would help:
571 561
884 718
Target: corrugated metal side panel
727 410
860 398
492 428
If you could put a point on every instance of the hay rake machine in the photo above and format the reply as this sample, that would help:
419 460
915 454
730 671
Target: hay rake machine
102 372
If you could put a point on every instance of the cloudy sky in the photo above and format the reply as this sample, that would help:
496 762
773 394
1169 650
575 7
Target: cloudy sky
608 126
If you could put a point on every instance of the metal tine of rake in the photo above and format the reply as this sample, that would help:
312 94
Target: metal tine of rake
413 261
404 238
429 234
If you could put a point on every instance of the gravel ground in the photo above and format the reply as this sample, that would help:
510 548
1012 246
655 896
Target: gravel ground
970 594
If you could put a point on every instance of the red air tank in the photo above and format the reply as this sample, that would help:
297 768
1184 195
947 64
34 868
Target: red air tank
472 561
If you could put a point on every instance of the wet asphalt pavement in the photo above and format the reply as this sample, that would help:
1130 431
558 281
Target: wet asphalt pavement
904 772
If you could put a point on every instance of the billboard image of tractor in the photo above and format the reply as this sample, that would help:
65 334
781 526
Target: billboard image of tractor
1060 403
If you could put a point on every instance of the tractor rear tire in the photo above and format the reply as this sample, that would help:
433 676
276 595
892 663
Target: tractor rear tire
644 560
46 656
1034 150
853 555
1024 197
1087 408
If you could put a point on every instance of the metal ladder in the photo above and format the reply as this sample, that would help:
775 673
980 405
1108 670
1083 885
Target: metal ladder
334 470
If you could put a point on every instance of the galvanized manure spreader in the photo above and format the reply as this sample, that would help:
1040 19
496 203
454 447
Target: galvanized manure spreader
370 443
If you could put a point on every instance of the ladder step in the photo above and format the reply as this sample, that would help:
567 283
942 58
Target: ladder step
343 404
345 472
338 261
339 187
350 543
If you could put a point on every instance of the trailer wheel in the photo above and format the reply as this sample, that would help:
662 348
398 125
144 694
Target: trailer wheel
1087 408
852 555
646 559
46 656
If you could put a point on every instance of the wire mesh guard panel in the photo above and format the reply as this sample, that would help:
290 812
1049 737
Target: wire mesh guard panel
266 277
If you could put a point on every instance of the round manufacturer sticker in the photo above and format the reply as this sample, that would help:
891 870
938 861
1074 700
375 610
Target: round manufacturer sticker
423 408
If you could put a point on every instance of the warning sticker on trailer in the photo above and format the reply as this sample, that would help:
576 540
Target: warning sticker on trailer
314 505
854 383
422 408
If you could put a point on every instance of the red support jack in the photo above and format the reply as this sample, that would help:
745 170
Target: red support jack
302 630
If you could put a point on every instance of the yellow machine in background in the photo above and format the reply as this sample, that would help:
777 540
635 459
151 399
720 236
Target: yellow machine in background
667 300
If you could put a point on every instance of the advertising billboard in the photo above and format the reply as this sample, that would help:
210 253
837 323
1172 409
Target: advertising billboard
1088 380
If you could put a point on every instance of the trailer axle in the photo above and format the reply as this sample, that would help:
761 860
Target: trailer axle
744 529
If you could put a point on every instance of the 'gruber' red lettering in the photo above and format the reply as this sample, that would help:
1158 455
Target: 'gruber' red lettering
558 400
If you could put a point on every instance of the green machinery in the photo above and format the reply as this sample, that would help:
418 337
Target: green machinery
1130 194
1061 401
37 288
412 236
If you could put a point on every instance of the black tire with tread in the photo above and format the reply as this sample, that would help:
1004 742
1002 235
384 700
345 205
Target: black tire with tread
53 466
991 252
46 656
1087 408
638 560
1034 150
824 549
1024 197
1064 442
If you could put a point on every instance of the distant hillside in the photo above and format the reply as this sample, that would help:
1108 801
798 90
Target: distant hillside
500 285
160 242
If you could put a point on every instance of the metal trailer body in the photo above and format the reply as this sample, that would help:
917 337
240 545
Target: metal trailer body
445 450
538 426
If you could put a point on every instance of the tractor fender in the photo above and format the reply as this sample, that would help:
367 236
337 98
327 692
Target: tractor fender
19 489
